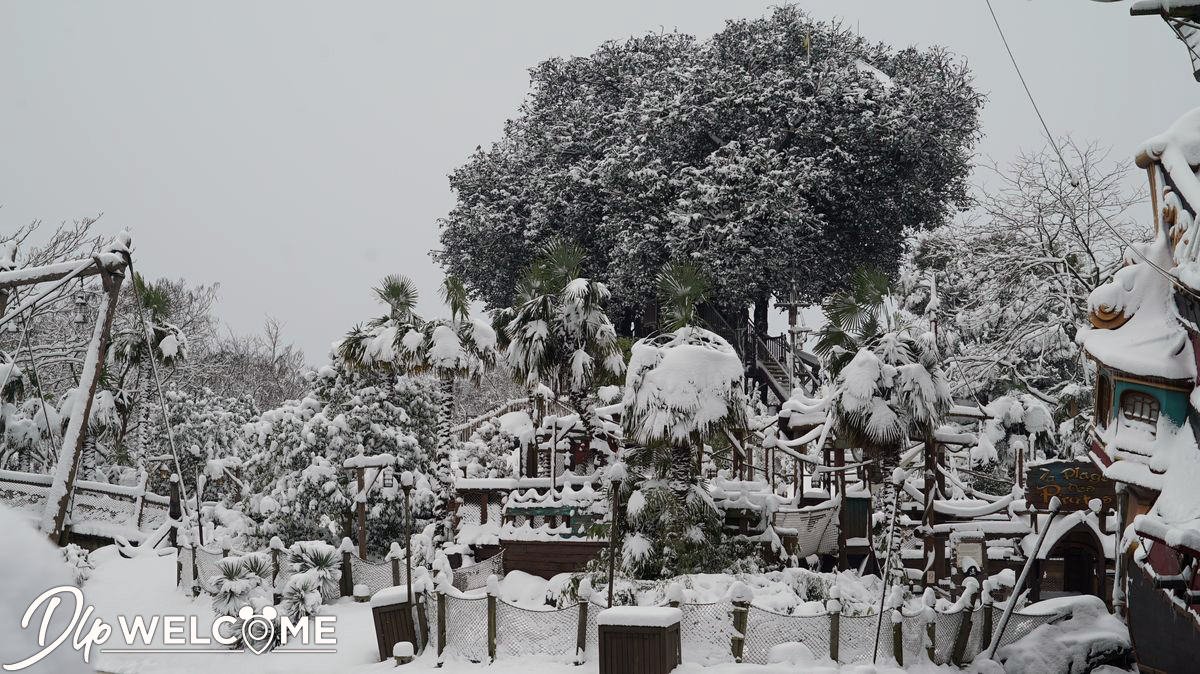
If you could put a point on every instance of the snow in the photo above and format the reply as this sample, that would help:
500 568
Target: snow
29 566
375 461
640 616
390 596
1068 645
1152 342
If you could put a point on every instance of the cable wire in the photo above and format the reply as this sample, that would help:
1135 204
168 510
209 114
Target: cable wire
1071 174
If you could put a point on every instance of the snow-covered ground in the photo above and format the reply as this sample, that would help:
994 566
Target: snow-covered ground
145 586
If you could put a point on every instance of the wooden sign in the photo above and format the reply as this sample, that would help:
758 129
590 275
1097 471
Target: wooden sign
1074 482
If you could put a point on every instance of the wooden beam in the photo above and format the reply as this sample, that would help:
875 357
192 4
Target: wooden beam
59 497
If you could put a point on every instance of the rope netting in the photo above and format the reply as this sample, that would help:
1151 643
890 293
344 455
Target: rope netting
475 576
856 637
1019 625
466 628
22 496
206 569
376 576
592 649
945 626
430 605
765 629
522 632
186 580
705 631
914 635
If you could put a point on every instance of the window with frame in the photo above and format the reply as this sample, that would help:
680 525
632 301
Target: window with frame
1103 401
1140 406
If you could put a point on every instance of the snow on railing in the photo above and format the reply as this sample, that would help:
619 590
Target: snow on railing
98 508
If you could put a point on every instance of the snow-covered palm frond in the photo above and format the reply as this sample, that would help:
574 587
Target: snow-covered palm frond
891 392
681 385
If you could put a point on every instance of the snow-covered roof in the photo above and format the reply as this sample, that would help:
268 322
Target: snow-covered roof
1152 342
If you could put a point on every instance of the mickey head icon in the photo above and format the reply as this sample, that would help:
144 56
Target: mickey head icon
258 630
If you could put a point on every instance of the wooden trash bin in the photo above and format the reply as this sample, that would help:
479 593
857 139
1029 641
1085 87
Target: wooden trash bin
393 619
639 640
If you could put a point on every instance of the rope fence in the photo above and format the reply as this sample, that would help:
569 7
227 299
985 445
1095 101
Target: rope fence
708 634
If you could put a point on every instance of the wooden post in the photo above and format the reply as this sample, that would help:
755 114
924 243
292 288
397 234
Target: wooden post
396 571
175 512
423 619
361 502
615 485
741 616
441 623
73 437
581 631
843 514
275 565
347 575
964 633
898 636
195 572
835 630
491 626
985 637
931 632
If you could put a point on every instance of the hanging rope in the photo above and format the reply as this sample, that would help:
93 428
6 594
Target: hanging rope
161 398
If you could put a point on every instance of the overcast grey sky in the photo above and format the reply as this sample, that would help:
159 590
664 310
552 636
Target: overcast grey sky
296 152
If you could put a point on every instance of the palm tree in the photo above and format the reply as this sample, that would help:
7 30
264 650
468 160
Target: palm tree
558 332
402 342
685 385
856 318
150 336
682 388
886 394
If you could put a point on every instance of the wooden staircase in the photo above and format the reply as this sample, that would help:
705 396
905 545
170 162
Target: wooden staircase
766 358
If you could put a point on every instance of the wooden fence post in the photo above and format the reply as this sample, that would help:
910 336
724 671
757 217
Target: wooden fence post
421 606
898 636
441 623
985 638
741 614
835 629
225 547
276 551
195 572
493 589
347 568
581 631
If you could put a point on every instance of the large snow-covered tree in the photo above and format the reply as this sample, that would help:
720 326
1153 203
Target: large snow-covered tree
781 154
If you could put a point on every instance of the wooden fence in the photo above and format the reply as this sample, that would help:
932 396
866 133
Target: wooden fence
97 508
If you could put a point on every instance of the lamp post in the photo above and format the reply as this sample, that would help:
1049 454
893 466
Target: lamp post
406 483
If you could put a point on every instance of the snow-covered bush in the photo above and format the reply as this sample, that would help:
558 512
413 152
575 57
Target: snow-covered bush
321 563
242 581
302 597
77 560
489 452
300 489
